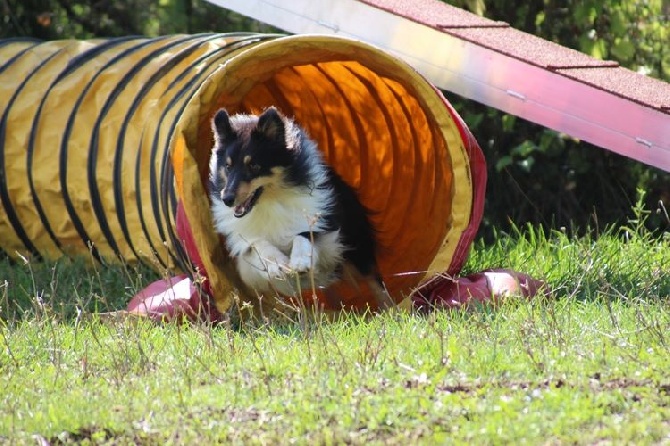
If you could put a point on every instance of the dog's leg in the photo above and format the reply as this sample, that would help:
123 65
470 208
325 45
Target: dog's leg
304 254
383 298
375 285
252 272
268 260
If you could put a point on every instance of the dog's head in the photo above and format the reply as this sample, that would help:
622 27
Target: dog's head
250 154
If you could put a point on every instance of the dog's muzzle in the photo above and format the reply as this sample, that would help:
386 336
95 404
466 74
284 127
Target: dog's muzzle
243 209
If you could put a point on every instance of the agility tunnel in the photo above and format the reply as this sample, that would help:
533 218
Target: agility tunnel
105 144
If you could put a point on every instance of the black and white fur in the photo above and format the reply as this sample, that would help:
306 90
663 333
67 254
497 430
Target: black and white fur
289 220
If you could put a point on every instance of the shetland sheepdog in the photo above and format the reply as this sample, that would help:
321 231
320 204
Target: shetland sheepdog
289 220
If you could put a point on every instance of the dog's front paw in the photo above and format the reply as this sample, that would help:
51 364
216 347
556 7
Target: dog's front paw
277 267
269 260
303 255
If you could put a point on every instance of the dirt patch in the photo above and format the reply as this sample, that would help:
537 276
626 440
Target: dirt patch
595 383
97 435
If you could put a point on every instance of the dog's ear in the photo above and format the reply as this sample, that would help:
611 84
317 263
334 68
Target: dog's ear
271 125
221 126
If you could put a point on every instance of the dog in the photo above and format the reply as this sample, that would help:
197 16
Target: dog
289 220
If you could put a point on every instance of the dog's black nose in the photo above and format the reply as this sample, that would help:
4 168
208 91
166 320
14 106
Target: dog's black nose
228 199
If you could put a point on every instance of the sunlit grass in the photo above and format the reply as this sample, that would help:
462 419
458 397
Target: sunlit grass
587 365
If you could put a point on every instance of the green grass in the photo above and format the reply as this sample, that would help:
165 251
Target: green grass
587 366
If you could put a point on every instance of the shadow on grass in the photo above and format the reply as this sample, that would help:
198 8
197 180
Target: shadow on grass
66 287
628 264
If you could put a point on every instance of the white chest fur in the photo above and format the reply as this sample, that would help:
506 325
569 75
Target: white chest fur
263 241
279 215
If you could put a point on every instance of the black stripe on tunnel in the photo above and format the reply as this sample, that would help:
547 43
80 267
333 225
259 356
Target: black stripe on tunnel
4 190
76 221
137 100
153 192
96 201
138 161
8 63
9 40
72 66
138 199
156 202
191 86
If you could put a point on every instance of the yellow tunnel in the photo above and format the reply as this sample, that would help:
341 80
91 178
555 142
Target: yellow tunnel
100 141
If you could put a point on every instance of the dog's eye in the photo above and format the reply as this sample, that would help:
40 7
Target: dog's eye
228 167
255 168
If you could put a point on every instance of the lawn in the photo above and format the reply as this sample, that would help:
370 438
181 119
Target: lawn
588 365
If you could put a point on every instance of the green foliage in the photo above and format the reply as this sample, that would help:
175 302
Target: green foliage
84 19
